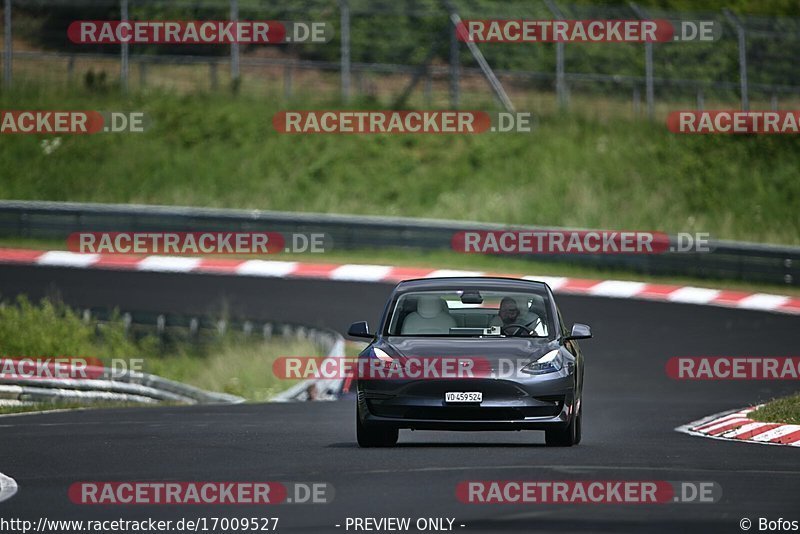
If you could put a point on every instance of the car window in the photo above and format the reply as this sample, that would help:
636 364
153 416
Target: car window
471 312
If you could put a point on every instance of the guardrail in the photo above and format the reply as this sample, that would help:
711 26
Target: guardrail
112 385
728 260
317 389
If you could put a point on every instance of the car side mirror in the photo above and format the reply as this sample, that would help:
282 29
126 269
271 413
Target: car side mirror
359 329
580 331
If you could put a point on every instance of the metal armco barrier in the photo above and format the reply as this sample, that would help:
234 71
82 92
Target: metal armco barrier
727 260
144 388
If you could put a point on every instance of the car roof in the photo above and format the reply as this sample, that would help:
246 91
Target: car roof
461 282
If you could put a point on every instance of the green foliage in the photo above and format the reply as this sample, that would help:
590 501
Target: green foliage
404 32
238 367
785 410
212 150
232 363
50 329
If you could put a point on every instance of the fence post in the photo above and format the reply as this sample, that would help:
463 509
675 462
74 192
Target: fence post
123 71
648 66
455 67
344 13
161 325
497 87
561 86
742 58
235 48
648 69
9 51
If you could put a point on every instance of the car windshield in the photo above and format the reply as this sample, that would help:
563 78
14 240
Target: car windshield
471 313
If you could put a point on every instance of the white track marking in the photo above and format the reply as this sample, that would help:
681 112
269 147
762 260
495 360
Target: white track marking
723 424
744 429
61 258
168 264
778 432
363 273
762 301
715 421
693 295
700 428
562 467
267 268
596 288
617 288
450 273
8 487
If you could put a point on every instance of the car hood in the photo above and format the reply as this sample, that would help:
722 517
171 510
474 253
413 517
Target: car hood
489 348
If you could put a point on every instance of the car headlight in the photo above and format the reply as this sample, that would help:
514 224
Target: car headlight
381 355
551 362
381 358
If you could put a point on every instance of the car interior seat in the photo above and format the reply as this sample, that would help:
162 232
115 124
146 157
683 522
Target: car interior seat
430 317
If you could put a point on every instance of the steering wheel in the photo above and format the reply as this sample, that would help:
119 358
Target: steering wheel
517 329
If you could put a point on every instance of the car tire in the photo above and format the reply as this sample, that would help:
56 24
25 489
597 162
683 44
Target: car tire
375 436
567 436
578 426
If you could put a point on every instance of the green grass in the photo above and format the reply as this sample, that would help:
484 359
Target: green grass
218 151
50 329
243 369
231 364
785 410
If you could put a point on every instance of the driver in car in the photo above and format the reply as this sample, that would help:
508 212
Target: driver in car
509 312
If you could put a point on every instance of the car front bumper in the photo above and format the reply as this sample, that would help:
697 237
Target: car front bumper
538 403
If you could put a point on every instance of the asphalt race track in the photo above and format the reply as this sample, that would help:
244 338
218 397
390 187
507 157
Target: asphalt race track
631 408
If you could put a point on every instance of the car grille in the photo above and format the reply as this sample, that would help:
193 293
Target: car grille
465 413
490 388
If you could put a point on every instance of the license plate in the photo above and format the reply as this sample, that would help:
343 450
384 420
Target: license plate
463 396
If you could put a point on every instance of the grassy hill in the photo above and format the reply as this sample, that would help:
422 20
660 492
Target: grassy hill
216 150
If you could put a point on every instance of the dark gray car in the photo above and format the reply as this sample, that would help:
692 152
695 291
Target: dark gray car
526 369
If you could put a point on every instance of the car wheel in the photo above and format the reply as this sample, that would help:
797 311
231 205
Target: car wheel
375 436
565 437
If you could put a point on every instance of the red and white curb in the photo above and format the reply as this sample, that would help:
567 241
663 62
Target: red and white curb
736 426
386 273
8 487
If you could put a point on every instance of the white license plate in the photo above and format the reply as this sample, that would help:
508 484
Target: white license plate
463 396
